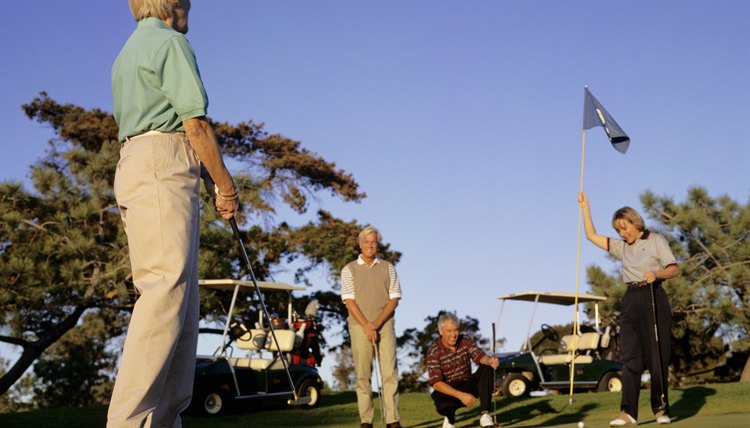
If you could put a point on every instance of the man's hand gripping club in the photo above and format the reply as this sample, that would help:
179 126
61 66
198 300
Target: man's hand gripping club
225 205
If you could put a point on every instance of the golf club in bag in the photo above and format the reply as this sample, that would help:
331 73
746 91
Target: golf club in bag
379 380
297 401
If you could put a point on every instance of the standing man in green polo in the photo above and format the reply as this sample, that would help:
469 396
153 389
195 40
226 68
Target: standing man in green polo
160 107
371 290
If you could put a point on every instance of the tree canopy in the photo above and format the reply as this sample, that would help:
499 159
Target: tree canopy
63 251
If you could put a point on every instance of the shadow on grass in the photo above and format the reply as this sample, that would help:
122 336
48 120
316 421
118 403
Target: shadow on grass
462 416
691 401
522 413
571 418
431 423
335 408
471 416
339 398
254 405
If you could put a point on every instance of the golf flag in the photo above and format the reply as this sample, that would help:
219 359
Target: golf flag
594 114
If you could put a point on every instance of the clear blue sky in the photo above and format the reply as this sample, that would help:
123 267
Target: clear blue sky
460 120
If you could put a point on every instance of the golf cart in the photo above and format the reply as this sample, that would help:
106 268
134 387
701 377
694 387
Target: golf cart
273 360
525 371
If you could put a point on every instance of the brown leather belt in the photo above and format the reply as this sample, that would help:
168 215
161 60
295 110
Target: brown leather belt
640 284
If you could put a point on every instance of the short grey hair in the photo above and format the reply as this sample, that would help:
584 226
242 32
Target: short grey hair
447 316
161 9
368 230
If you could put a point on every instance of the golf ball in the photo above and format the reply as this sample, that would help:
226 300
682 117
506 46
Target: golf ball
580 424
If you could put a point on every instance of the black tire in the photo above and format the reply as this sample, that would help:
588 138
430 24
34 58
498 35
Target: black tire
610 382
309 388
516 385
211 402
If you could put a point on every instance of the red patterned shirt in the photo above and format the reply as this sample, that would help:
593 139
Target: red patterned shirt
444 365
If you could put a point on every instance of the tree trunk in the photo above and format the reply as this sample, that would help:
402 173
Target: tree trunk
30 353
745 376
32 350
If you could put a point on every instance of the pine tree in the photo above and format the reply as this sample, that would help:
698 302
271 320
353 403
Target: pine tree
63 252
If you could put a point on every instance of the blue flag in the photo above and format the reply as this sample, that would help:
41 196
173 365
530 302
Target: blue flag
594 114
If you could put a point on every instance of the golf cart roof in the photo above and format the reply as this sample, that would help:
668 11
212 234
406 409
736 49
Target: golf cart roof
556 298
229 284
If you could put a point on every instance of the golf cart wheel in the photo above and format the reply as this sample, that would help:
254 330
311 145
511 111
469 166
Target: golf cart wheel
212 403
310 389
611 382
515 385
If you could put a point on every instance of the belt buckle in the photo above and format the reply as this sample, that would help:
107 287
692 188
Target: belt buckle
637 284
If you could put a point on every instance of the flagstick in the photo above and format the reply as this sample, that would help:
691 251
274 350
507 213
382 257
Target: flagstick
578 271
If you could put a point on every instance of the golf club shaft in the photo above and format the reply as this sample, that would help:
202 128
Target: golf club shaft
236 231
378 378
494 354
658 345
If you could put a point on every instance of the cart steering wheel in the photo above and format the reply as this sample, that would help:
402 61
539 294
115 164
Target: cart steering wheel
550 333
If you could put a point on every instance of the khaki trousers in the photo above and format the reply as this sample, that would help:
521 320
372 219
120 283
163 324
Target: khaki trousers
157 189
363 354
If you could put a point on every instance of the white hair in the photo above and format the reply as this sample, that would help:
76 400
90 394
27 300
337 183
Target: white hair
368 230
161 9
447 316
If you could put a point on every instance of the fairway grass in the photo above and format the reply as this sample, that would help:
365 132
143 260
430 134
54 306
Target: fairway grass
704 406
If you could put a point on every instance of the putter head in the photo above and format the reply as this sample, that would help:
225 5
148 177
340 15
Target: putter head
299 401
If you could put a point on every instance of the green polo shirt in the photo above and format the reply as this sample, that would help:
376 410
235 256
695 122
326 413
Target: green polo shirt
155 81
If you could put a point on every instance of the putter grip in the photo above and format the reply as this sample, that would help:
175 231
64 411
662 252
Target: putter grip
235 229
208 182
493 338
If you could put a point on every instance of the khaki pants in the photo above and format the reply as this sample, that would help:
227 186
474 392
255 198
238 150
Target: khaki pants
157 189
363 354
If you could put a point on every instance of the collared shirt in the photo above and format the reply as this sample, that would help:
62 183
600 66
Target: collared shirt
648 254
156 84
347 280
452 367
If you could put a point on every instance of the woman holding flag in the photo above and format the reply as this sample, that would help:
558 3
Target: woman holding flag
646 317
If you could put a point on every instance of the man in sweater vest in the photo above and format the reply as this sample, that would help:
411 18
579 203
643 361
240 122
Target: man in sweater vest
370 290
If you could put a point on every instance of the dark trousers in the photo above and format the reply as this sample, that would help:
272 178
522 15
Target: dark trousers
480 385
638 347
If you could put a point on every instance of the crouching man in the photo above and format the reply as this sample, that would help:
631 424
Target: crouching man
449 368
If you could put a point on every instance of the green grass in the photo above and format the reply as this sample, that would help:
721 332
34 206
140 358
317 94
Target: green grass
707 406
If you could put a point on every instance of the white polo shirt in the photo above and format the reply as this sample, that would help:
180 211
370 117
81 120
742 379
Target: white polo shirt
648 254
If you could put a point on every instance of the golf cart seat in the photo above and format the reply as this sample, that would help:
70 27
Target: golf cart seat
586 343
257 340
286 341
252 340
606 336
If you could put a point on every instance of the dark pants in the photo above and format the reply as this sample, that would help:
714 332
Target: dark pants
480 385
638 347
